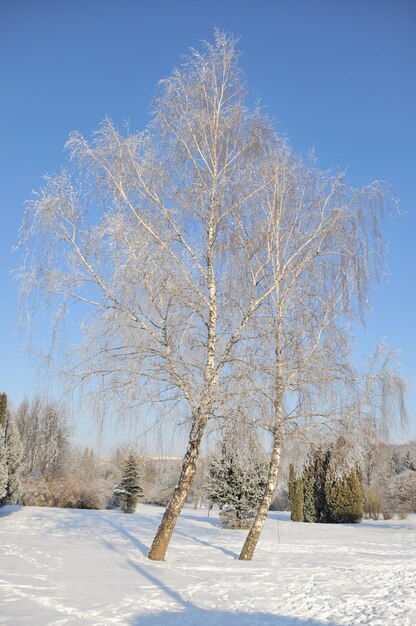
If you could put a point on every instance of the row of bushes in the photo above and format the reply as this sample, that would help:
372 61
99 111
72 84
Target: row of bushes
67 493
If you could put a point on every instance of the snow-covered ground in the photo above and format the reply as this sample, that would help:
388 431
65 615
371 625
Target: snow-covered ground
61 567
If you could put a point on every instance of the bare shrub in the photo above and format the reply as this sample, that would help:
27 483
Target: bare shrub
400 493
373 504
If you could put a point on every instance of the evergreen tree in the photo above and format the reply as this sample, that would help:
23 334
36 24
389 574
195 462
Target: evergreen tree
345 497
3 410
218 485
309 508
11 452
297 510
3 465
291 486
14 455
330 487
237 477
322 459
129 491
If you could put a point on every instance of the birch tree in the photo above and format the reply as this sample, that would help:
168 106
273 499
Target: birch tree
324 252
207 263
150 235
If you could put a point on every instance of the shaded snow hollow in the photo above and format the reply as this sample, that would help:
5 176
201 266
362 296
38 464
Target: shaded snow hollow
63 566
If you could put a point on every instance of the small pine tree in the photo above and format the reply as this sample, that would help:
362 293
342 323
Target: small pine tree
129 491
218 488
237 477
345 498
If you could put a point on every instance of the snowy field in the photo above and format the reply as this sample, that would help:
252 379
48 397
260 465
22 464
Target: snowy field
62 566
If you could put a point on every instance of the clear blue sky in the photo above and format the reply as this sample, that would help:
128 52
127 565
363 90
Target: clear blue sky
339 76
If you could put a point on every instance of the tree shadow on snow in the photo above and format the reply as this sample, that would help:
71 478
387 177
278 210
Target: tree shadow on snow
399 525
281 516
195 615
191 615
119 528
125 533
9 509
214 521
207 543
101 522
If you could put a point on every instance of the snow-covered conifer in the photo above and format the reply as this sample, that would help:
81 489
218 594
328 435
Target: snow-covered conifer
330 489
3 465
291 484
3 410
10 456
345 497
295 495
14 454
236 476
3 449
309 508
297 507
321 460
129 491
